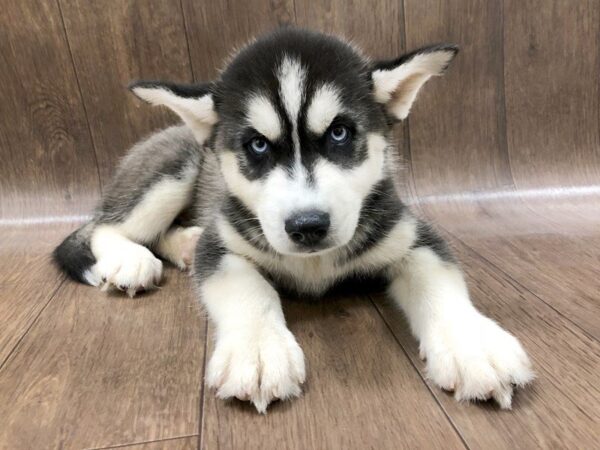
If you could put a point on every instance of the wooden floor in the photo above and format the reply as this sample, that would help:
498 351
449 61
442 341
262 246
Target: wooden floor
84 369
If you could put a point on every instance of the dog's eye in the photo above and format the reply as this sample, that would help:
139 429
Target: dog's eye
339 134
259 146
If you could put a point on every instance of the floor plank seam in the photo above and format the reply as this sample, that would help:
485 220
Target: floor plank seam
31 325
388 326
418 206
87 119
520 285
142 442
203 387
187 40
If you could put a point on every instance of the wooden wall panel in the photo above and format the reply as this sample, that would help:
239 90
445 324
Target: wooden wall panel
457 124
114 42
216 28
552 51
361 23
47 164
100 370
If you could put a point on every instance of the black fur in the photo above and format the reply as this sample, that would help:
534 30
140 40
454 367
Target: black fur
252 72
245 223
428 237
381 210
209 253
74 255
182 90
393 63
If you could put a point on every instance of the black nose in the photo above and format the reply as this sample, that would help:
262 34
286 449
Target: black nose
307 227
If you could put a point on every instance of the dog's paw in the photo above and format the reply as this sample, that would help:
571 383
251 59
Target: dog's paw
131 269
184 243
179 245
477 360
260 366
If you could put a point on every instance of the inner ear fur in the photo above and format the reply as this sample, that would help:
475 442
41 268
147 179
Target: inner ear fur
396 83
192 102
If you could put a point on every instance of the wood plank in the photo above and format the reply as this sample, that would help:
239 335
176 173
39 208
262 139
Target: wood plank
562 408
28 279
25 253
362 392
215 29
456 125
552 55
99 370
184 443
551 250
359 22
114 42
48 166
20 304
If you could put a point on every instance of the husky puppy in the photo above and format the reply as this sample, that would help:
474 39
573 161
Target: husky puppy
282 180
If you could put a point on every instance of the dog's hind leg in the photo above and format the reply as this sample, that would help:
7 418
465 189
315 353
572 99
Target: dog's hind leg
177 245
153 185
124 261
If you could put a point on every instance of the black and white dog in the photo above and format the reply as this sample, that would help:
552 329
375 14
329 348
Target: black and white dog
283 179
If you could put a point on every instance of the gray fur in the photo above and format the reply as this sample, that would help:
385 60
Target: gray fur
170 153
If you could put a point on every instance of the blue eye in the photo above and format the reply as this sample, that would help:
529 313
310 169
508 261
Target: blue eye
339 134
259 145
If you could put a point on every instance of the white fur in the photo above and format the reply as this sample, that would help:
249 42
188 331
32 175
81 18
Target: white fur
256 357
263 117
324 107
158 208
198 113
123 263
292 77
337 191
398 87
466 352
316 273
178 245
248 191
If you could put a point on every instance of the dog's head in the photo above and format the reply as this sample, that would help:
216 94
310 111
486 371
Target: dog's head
300 122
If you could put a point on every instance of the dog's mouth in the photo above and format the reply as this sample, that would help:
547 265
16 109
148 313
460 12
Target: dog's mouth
313 250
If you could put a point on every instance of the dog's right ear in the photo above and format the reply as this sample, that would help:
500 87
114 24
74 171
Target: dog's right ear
192 102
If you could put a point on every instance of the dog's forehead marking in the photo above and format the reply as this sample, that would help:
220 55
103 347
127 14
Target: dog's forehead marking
291 76
263 117
324 106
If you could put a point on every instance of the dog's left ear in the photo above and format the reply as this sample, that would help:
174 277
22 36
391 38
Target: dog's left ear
192 102
396 83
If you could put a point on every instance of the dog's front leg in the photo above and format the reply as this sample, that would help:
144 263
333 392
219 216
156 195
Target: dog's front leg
466 352
255 357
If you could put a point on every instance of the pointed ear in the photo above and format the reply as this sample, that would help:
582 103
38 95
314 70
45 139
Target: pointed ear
396 83
193 103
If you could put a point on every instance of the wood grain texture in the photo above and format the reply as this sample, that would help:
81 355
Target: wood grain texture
184 443
114 42
216 29
48 163
81 369
20 305
100 370
552 251
360 23
552 62
362 391
561 408
456 125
